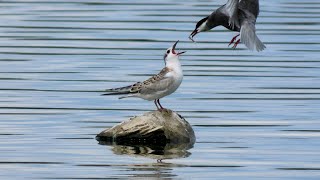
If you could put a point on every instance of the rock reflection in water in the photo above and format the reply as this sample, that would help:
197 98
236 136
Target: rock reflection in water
153 151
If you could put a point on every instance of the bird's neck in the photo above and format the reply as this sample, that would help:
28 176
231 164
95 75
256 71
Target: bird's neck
212 21
174 64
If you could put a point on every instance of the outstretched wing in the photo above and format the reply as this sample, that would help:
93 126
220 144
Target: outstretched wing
248 33
251 6
231 10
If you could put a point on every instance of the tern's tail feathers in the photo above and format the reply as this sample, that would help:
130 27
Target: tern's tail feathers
121 90
113 93
249 37
117 91
126 95
128 91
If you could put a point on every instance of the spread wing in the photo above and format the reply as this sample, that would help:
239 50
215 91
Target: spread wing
248 33
251 6
231 10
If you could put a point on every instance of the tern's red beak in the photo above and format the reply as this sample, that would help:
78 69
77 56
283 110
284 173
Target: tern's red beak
174 48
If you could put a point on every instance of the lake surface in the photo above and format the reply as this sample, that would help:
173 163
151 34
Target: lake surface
255 115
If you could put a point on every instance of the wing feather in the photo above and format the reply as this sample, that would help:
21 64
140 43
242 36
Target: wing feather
248 35
159 82
231 10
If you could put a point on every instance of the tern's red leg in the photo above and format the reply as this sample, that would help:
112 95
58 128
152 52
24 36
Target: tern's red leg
155 102
234 38
160 104
236 44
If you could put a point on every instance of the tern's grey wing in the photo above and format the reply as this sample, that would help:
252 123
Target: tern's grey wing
248 33
159 82
251 6
131 89
231 10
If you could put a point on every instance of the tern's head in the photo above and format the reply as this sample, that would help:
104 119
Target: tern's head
200 27
171 53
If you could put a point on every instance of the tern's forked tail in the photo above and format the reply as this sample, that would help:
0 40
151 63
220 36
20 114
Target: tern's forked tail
117 91
128 91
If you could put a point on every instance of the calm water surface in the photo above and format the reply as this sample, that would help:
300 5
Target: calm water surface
255 115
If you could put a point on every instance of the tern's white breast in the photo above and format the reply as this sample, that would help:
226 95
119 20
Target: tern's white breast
177 76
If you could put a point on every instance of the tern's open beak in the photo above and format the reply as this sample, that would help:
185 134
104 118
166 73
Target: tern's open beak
194 32
174 48
181 52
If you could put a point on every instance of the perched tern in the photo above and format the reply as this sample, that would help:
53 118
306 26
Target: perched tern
159 85
235 15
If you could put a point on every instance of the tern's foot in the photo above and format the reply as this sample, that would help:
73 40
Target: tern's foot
232 41
236 44
162 109
159 160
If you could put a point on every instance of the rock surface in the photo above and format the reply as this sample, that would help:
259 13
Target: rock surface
152 128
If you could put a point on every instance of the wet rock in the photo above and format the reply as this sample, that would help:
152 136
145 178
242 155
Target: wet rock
156 128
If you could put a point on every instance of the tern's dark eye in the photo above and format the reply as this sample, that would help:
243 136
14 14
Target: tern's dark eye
168 52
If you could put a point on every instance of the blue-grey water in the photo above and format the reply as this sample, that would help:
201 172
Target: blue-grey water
255 115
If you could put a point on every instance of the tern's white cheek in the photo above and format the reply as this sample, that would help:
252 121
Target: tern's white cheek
203 27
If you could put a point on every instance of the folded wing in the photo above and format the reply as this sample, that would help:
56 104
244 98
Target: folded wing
157 83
